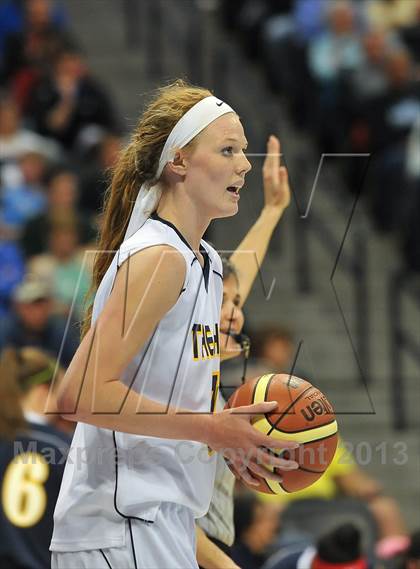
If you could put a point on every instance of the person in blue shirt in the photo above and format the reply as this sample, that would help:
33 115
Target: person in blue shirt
22 201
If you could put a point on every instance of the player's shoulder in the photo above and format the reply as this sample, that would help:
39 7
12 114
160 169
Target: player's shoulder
154 234
160 261
155 231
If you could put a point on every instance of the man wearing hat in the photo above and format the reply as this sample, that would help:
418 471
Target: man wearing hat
31 322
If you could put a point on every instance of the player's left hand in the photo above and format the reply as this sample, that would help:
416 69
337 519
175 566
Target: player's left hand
275 178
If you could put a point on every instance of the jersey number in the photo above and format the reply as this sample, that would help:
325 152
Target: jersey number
215 381
23 495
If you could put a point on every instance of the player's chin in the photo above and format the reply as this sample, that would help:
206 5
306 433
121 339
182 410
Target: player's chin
230 210
228 207
225 212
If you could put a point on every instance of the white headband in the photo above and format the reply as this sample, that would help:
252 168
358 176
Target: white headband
192 123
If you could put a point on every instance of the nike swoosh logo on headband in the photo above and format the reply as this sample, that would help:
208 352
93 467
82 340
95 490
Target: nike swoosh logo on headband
219 104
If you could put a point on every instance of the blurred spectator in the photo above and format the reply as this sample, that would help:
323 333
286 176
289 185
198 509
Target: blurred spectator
388 117
62 195
343 71
369 79
338 48
32 456
63 268
11 21
390 14
12 18
70 100
389 120
94 181
256 525
23 201
32 323
309 18
12 270
366 83
332 56
339 549
285 39
15 140
29 53
392 115
273 346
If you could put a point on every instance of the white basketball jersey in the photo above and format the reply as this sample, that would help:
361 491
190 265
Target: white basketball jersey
111 475
218 522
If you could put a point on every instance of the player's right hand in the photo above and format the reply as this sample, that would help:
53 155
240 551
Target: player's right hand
244 447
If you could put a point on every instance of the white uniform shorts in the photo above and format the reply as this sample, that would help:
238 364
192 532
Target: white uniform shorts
168 543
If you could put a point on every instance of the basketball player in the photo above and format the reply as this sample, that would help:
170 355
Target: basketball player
215 531
143 383
32 456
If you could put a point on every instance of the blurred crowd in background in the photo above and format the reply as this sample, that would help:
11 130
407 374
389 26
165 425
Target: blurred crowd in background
59 134
349 72
350 75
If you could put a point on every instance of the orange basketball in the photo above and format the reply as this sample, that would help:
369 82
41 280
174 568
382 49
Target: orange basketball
303 415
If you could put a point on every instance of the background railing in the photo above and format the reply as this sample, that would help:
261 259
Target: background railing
402 286
352 258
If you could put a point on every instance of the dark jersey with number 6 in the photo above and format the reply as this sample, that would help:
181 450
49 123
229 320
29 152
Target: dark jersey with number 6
31 469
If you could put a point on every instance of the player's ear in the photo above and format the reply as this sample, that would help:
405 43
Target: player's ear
178 164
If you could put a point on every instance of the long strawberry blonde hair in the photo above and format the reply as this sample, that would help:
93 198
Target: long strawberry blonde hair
137 163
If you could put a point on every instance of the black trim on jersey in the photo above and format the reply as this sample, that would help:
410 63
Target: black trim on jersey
116 488
206 269
202 249
218 274
104 556
132 544
157 217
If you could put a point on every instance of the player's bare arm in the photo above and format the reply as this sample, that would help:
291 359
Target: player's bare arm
250 253
147 285
209 556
